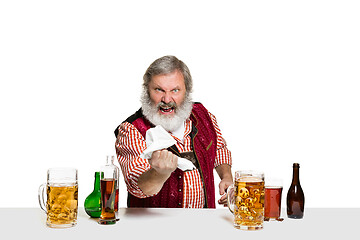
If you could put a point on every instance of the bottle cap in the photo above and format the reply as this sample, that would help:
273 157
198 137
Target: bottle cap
297 165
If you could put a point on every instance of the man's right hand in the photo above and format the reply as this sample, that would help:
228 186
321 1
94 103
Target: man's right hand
162 163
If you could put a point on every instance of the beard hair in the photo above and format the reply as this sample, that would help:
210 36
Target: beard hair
169 123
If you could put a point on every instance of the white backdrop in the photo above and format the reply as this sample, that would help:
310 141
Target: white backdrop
282 78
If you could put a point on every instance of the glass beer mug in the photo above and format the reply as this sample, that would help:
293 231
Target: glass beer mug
60 201
245 200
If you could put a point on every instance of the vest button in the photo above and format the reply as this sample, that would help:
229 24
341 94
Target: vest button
179 176
179 189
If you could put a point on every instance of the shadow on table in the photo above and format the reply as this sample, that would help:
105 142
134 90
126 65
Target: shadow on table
228 218
140 212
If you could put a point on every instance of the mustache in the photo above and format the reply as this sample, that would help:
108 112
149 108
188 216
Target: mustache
167 105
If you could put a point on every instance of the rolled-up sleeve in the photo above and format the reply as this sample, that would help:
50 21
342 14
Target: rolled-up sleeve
223 154
129 145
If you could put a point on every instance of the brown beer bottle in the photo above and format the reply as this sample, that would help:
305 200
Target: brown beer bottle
295 199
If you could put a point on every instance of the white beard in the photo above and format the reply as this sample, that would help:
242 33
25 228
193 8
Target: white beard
169 123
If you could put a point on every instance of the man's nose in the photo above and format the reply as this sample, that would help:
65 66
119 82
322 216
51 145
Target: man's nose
167 97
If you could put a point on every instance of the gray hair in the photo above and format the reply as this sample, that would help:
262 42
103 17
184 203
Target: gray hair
166 65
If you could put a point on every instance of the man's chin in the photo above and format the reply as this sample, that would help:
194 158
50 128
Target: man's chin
170 122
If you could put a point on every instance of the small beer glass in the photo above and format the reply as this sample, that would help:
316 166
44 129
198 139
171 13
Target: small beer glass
246 200
61 199
273 190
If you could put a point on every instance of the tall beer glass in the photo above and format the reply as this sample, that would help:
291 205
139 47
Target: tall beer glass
246 200
61 199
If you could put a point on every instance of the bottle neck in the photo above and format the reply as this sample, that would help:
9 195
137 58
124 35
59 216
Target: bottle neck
296 179
110 160
97 181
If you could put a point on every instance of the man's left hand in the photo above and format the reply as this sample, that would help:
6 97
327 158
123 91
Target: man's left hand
225 175
223 185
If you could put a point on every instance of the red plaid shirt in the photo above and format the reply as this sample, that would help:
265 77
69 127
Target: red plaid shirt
130 144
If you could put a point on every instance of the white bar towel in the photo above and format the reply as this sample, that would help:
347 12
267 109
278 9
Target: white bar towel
158 138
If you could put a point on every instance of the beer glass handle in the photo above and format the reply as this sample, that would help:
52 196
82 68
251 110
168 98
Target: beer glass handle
41 196
230 198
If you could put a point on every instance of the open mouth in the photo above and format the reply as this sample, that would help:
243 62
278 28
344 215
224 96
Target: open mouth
166 110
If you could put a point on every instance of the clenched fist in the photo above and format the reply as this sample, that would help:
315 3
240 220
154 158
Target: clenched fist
163 162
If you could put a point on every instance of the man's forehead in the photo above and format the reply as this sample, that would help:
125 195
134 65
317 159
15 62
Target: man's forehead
168 79
168 74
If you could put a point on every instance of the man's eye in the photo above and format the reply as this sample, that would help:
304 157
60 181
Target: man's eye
175 90
158 90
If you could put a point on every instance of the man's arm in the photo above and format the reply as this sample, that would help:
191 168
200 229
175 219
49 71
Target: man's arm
224 172
223 162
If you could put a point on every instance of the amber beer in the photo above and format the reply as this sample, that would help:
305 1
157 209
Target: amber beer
273 202
245 199
58 197
62 205
108 195
249 203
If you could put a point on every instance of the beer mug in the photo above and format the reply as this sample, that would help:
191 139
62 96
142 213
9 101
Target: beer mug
60 202
245 199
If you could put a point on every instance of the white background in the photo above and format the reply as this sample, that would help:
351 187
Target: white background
282 78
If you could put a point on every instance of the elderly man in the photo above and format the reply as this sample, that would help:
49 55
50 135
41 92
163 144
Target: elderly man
157 182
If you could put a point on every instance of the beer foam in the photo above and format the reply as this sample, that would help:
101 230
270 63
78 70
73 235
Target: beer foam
273 187
64 184
250 179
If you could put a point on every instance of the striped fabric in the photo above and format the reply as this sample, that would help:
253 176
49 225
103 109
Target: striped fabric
130 144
